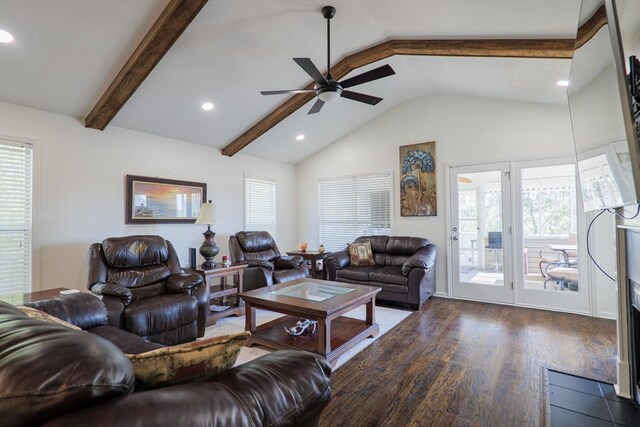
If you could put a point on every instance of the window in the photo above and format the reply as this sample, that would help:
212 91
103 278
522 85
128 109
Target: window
16 179
260 204
549 200
353 206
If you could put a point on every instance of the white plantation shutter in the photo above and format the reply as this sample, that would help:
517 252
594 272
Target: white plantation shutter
260 204
16 176
355 206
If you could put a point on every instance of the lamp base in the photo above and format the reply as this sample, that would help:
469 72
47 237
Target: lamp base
209 249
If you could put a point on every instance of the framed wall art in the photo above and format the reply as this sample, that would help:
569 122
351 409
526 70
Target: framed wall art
163 201
418 196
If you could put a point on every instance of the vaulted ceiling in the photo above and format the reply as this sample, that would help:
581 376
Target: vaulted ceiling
67 52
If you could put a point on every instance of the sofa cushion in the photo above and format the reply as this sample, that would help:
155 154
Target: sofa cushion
150 316
378 246
83 310
360 254
388 274
47 370
399 249
126 341
357 273
280 276
138 277
135 251
187 363
255 241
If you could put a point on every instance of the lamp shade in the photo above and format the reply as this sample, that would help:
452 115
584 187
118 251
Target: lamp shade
208 214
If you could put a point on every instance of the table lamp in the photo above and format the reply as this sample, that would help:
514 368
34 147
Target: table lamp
208 250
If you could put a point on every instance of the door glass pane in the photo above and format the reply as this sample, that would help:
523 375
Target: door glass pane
549 224
480 228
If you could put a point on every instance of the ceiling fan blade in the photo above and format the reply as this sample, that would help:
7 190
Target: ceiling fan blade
361 97
284 92
375 74
316 107
307 65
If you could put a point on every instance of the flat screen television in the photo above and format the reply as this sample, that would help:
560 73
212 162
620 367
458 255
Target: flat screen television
602 111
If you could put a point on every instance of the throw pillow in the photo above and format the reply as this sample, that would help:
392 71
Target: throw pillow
361 254
39 314
186 363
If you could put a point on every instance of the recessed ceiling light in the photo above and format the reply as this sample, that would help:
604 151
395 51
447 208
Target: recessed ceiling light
207 106
5 37
563 83
299 137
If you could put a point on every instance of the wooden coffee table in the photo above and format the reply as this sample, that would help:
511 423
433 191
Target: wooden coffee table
313 299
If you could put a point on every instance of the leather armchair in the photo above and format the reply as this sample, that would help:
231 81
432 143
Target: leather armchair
266 265
145 291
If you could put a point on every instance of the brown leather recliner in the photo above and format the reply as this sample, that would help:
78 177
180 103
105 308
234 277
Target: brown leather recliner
145 290
266 265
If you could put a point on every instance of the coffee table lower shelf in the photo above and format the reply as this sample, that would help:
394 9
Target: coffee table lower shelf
345 332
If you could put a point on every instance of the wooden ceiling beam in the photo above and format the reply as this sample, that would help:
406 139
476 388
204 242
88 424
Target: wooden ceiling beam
591 27
510 48
175 18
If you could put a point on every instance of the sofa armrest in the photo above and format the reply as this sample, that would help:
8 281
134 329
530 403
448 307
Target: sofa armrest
84 310
334 262
288 262
183 283
260 263
424 258
284 388
113 290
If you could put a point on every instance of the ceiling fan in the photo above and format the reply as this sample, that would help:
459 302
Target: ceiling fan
327 89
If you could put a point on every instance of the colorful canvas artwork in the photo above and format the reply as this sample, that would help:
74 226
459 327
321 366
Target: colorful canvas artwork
418 196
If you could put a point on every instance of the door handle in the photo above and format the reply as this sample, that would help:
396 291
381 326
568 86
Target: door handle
455 237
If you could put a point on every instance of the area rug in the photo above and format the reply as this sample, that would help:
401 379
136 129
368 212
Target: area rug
386 318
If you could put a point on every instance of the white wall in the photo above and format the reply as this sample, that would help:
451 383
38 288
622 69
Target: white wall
466 131
81 188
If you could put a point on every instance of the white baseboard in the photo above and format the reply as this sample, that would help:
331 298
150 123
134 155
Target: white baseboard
607 315
441 294
623 387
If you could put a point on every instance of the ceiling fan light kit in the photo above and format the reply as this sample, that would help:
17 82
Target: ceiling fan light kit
327 89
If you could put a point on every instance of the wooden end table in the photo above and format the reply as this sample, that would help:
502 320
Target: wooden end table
222 290
312 256
320 300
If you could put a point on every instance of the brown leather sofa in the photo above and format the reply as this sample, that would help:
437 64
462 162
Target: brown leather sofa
266 265
145 290
405 269
56 376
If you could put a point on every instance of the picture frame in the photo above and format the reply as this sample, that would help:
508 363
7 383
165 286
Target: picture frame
152 200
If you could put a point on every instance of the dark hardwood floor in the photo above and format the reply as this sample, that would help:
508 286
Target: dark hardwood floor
461 363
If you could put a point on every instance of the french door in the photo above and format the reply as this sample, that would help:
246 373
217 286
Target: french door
515 230
549 221
480 232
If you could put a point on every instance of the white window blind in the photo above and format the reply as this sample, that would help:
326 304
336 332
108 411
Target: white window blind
260 204
355 206
16 181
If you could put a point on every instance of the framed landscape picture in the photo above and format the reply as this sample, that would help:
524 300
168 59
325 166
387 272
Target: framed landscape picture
418 195
163 201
